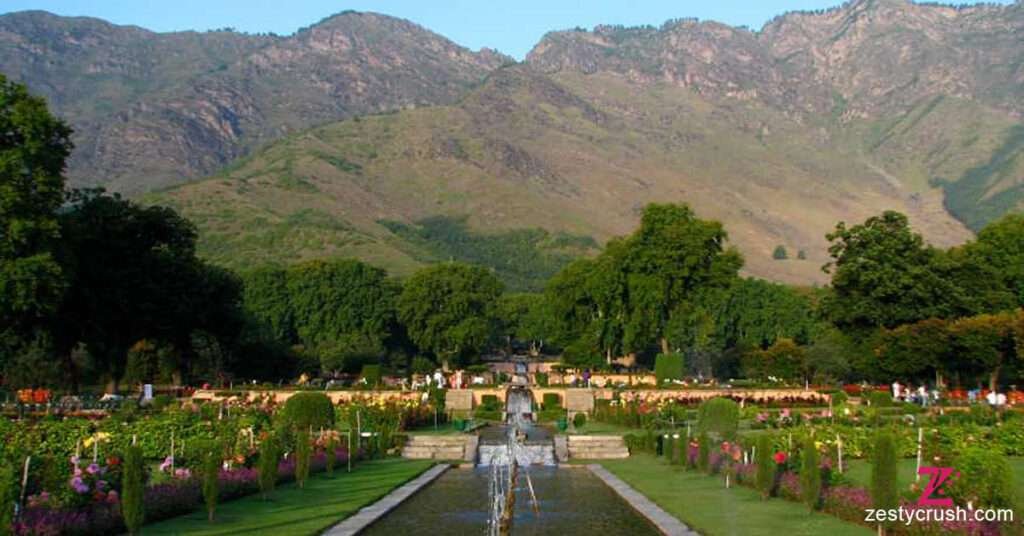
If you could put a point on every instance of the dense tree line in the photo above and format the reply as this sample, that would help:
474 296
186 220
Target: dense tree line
94 287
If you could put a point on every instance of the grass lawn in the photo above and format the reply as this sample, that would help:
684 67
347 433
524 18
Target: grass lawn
322 503
703 503
859 471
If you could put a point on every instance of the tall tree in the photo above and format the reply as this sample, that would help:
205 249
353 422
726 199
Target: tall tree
985 343
667 261
343 310
134 275
34 146
914 350
448 309
524 317
1000 248
883 275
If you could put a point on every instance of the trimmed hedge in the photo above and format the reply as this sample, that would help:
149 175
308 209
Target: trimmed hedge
718 417
552 401
668 367
305 411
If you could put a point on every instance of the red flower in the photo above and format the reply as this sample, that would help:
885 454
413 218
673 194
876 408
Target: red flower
780 457
113 460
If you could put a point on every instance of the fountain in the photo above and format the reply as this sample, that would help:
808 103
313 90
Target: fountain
512 457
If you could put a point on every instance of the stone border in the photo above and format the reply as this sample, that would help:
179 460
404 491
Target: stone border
665 522
370 514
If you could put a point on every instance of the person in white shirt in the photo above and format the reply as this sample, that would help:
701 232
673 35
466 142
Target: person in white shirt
896 390
991 398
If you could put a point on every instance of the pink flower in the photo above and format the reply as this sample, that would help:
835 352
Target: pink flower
92 469
168 462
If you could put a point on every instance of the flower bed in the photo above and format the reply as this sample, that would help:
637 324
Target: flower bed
162 501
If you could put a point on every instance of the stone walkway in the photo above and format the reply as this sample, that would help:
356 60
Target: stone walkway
661 519
366 516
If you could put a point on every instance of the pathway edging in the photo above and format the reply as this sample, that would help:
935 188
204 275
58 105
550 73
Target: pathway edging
369 514
665 522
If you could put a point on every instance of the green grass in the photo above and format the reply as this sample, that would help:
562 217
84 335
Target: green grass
859 472
293 511
703 503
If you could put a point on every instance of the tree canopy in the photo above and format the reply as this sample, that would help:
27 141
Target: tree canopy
449 309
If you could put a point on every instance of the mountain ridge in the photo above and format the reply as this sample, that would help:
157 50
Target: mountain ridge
352 136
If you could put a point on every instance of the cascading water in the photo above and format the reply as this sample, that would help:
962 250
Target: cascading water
506 457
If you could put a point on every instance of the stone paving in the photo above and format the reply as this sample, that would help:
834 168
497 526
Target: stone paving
661 519
366 516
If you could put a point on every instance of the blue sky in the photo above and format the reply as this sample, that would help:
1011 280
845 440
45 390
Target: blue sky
512 27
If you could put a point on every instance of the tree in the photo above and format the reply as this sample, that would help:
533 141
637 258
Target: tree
449 309
267 301
268 463
34 146
524 317
883 275
784 360
666 261
985 342
134 275
884 486
333 300
1000 246
132 490
780 253
302 454
764 478
913 350
810 474
211 479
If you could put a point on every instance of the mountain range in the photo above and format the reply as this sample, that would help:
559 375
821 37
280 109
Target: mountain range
369 136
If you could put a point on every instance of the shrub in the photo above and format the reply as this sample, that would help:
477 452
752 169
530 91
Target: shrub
878 399
579 420
668 447
704 453
810 475
985 479
490 403
542 379
668 367
765 478
211 484
132 489
268 465
839 397
884 486
302 454
306 411
719 417
552 400
372 374
8 496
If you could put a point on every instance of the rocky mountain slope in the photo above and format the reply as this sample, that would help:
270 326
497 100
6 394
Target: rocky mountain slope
153 109
819 117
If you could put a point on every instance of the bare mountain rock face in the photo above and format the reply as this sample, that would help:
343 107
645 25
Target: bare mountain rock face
819 117
155 109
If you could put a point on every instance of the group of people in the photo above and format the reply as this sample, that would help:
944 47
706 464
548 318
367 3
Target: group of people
921 395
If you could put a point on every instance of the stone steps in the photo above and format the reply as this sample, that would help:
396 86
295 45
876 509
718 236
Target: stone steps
439 448
597 447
